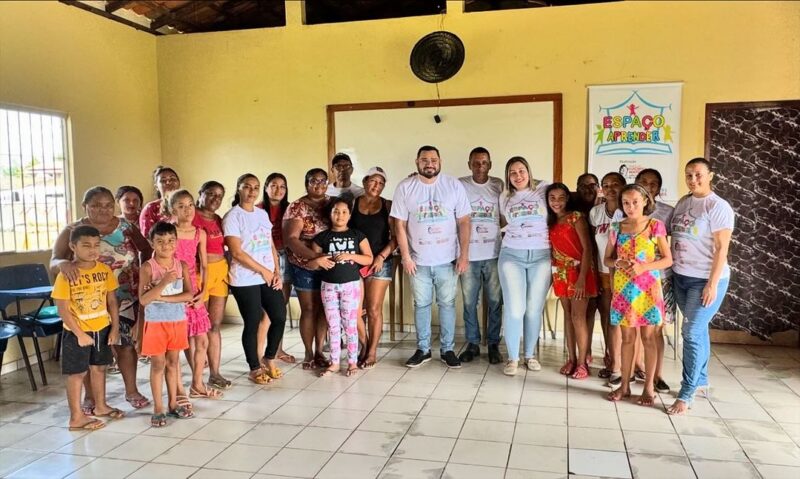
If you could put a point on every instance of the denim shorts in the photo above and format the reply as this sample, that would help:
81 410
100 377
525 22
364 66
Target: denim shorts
385 273
286 269
304 279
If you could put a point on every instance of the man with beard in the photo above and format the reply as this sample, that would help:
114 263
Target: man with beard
341 171
432 228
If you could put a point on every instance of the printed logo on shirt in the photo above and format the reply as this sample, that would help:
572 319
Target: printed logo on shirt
259 240
431 211
685 224
483 211
524 210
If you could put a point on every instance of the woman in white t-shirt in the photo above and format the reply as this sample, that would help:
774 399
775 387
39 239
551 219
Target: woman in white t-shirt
600 219
524 262
254 277
702 224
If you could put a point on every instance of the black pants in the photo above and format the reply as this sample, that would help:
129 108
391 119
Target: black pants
253 301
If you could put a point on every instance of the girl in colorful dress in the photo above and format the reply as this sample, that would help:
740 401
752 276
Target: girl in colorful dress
652 181
573 273
207 219
192 240
634 244
341 253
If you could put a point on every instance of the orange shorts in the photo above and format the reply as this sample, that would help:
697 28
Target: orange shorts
160 337
217 277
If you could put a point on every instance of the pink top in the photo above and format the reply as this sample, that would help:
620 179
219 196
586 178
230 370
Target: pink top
215 240
151 214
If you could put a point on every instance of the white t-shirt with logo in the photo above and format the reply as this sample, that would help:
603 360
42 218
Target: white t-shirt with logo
693 224
254 229
353 189
484 200
599 218
663 213
431 211
525 213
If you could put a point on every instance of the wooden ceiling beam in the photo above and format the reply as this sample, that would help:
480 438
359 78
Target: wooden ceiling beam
103 13
177 16
113 6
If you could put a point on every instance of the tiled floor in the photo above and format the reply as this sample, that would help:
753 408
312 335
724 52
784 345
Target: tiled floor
391 422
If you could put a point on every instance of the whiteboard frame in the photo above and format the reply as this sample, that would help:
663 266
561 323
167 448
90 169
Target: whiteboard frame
554 98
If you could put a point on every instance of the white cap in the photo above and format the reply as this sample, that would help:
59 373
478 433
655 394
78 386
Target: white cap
376 170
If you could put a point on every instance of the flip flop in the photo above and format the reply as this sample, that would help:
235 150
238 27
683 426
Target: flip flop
112 414
273 372
321 362
309 365
328 372
137 402
210 393
92 425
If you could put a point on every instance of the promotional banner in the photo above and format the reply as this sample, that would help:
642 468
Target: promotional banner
633 127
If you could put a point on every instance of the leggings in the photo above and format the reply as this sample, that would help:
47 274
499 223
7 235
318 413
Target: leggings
341 303
253 301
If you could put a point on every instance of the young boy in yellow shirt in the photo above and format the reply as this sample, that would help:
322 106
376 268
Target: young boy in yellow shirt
90 313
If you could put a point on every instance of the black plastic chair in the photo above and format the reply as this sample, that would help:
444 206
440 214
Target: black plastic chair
7 331
33 324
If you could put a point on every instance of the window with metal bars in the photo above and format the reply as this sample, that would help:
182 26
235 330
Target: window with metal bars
34 175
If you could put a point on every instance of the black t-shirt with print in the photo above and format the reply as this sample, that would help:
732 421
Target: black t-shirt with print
334 242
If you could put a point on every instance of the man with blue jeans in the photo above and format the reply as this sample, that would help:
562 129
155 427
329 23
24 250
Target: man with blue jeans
483 193
432 228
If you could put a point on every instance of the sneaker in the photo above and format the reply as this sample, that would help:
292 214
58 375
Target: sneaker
661 386
511 367
473 351
418 359
640 376
494 354
615 381
533 364
450 359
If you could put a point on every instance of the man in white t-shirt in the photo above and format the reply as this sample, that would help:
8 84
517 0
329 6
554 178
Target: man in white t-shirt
341 171
432 229
483 192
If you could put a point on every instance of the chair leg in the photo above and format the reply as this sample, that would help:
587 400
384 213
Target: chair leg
27 362
39 359
57 352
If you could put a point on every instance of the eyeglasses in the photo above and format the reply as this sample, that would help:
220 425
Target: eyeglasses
317 181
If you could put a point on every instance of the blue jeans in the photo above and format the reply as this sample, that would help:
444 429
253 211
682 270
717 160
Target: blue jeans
482 273
442 279
694 330
525 277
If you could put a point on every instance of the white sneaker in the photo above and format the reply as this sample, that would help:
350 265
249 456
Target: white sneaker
533 364
511 367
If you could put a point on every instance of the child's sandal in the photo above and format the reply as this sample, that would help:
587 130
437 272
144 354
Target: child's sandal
181 412
158 420
183 401
567 368
581 372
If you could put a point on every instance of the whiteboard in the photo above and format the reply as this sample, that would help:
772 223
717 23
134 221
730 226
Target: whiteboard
390 137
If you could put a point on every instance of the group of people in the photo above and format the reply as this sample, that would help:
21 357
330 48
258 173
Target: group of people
154 281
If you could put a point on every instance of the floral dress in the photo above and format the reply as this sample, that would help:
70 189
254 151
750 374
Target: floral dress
637 301
567 253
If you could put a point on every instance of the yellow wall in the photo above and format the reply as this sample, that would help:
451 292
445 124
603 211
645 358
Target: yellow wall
103 75
255 100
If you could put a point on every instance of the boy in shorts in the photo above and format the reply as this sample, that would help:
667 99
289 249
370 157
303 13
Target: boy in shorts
90 313
164 290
